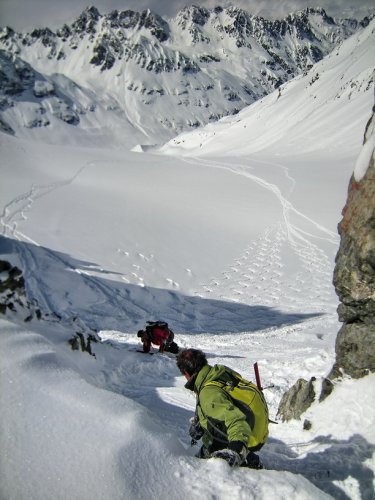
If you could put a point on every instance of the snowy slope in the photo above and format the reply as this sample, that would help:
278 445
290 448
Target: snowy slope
234 246
339 87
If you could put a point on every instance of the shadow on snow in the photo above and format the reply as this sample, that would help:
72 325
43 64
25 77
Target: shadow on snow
339 460
69 287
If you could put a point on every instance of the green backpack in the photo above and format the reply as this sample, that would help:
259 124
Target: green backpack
250 400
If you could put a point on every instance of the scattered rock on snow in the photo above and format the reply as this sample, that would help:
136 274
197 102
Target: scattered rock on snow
12 287
297 399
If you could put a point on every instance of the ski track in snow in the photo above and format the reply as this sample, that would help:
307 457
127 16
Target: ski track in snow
105 295
15 211
258 274
287 208
17 208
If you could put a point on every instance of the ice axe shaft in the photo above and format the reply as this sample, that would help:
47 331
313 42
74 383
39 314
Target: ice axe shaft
257 376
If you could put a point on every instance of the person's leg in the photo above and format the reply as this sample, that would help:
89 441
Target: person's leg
146 345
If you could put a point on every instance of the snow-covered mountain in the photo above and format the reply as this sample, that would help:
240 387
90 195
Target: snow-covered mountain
337 87
111 75
228 233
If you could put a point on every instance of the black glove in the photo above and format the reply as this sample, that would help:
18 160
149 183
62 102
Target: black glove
235 454
196 431
230 456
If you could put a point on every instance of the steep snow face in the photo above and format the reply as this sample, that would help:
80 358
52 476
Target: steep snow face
337 91
129 70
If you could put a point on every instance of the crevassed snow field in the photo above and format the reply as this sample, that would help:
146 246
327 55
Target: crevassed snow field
229 234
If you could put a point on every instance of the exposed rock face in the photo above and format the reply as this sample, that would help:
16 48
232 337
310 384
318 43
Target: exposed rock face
297 400
300 397
19 82
15 305
13 296
354 275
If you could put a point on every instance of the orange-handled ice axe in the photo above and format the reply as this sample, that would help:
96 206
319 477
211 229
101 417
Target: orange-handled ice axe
257 376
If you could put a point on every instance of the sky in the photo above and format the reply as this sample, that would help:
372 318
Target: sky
23 15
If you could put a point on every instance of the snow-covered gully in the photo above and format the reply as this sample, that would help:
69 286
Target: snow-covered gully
228 233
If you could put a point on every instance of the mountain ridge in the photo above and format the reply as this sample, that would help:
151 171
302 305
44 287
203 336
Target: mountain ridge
156 77
293 113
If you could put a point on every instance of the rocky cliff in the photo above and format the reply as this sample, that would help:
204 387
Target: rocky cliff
354 275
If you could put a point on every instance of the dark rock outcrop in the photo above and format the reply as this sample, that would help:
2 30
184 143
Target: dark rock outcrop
297 399
19 82
17 306
354 275
13 297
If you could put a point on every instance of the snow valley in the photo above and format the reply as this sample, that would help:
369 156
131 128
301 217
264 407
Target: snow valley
228 232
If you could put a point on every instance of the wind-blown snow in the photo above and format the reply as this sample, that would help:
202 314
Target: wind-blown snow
233 244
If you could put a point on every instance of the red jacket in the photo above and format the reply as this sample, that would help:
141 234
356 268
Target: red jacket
158 336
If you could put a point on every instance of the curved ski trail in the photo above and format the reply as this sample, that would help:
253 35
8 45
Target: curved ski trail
16 209
283 267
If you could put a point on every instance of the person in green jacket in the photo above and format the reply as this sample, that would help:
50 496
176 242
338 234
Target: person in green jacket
223 427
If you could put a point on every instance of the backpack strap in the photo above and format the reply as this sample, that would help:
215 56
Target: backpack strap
218 432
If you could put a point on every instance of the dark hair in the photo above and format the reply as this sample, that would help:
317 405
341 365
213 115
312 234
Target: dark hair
191 361
140 333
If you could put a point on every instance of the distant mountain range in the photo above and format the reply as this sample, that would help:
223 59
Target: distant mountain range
130 76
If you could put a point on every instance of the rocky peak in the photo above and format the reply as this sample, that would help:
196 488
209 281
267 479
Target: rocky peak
45 35
64 32
125 19
193 14
321 12
193 19
155 24
129 20
299 24
6 33
293 44
87 21
241 25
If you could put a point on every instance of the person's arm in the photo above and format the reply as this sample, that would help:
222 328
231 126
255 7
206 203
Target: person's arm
216 406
